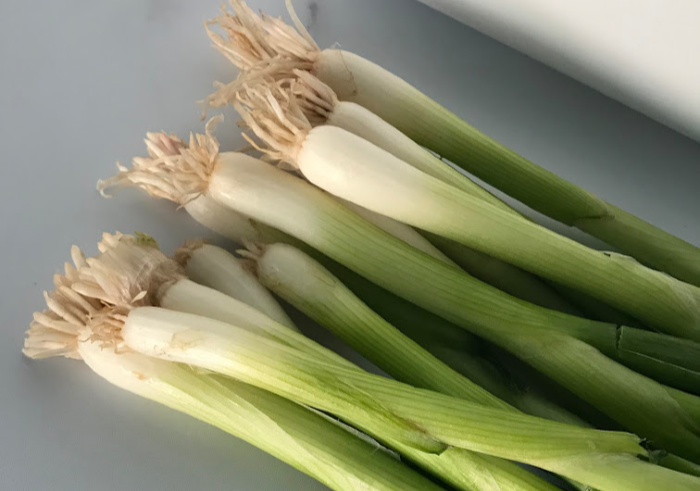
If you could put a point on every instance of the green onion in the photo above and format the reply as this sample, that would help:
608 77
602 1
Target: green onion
122 320
296 435
400 231
136 265
502 275
322 107
677 361
269 41
552 342
308 286
445 345
601 459
358 171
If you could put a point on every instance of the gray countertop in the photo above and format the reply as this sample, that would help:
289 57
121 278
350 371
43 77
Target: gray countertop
80 84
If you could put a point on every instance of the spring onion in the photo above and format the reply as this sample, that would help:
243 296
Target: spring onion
312 289
292 372
138 264
321 106
266 41
308 286
414 321
358 171
241 354
296 435
552 342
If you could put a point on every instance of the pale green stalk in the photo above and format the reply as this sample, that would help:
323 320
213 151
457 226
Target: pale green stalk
594 308
305 440
420 325
313 290
186 296
128 265
673 361
81 327
502 275
601 459
322 107
354 169
295 207
400 231
425 121
496 381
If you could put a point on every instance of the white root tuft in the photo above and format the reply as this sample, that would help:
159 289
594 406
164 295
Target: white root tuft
251 41
92 298
316 99
271 112
173 170
261 46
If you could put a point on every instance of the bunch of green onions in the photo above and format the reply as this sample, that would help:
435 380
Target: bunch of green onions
133 316
412 264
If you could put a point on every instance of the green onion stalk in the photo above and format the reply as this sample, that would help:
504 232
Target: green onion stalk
214 266
131 272
321 106
421 419
356 170
570 350
254 43
305 439
203 261
351 173
315 291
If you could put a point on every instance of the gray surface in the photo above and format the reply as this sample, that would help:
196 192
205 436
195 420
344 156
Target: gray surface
80 84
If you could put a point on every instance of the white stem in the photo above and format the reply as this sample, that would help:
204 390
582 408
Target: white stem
257 189
130 371
221 219
216 268
213 345
307 440
189 297
364 123
352 168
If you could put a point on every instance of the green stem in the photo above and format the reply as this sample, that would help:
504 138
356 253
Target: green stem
297 208
594 308
673 361
649 244
428 123
311 288
680 465
354 396
502 275
421 325
486 375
